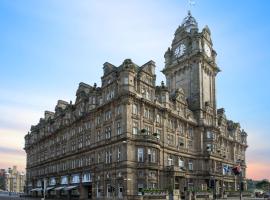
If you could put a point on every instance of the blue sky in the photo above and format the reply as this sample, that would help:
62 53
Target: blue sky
48 47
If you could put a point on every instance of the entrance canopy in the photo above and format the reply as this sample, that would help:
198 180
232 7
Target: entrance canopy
71 187
49 188
59 188
36 189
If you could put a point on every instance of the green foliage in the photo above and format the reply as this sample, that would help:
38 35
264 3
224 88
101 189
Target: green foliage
2 183
153 191
263 185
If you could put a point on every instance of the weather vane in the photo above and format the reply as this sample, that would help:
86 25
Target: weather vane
191 3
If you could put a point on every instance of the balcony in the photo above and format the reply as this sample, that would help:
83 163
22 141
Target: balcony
176 170
148 138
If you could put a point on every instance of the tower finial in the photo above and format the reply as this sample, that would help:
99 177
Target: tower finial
191 2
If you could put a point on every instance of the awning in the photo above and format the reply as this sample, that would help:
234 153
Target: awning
59 188
49 188
36 190
71 187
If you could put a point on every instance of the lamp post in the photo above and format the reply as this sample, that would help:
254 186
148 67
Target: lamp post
113 189
213 185
240 178
238 172
44 188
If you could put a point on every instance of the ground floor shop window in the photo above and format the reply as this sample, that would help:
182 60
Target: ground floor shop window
109 190
98 190
75 192
140 188
120 191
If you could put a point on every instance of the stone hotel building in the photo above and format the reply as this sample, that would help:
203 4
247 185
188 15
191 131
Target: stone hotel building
130 134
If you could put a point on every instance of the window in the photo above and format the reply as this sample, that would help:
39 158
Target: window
80 162
181 162
120 191
118 110
87 160
152 185
98 158
87 125
181 128
73 164
108 133
75 178
135 109
98 136
108 158
190 165
158 118
148 130
39 184
140 155
148 113
98 120
73 145
126 80
87 140
170 139
64 180
140 188
170 161
210 135
108 115
98 190
80 129
109 190
135 128
171 124
181 142
158 133
118 128
140 173
119 174
190 144
147 95
118 154
151 155
152 174
190 132
80 142
52 181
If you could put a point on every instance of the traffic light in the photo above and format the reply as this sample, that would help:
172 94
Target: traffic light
236 170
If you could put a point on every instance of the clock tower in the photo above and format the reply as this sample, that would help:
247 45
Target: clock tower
190 65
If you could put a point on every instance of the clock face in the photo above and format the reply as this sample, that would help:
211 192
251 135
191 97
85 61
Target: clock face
180 50
207 50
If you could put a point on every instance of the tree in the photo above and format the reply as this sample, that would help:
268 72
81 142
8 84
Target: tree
264 185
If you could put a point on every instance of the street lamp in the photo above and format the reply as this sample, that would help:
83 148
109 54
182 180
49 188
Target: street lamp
238 172
113 188
213 186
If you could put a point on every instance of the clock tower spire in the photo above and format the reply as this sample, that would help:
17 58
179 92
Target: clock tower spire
190 65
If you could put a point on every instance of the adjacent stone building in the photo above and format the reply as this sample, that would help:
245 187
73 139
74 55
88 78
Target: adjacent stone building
2 179
130 134
14 181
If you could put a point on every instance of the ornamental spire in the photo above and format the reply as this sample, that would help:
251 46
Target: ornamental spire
189 22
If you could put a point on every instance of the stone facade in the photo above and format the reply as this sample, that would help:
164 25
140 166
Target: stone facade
129 134
14 180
